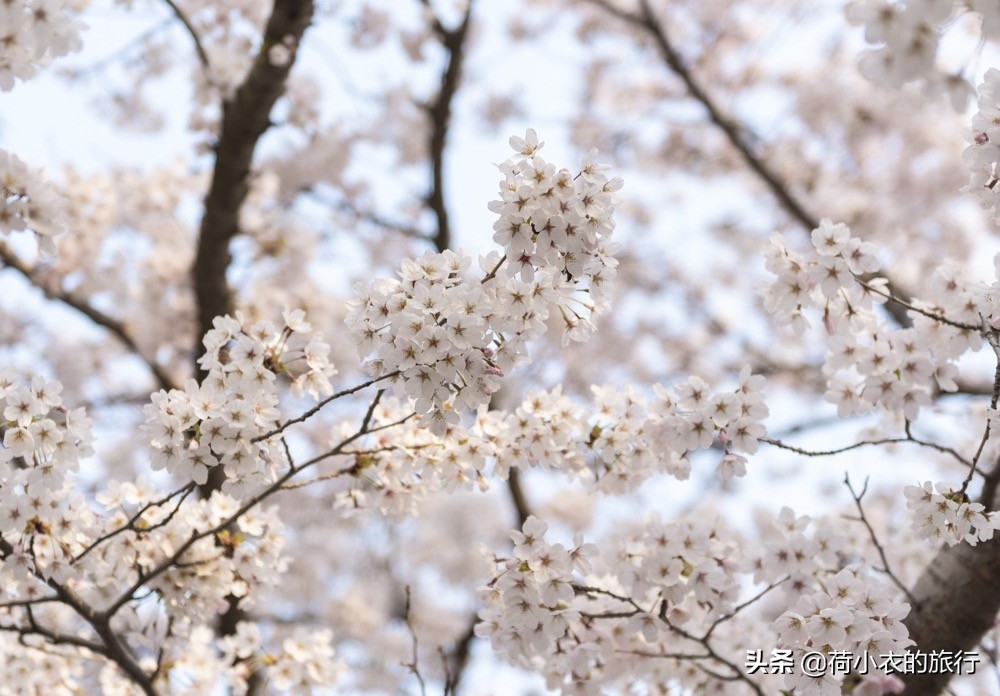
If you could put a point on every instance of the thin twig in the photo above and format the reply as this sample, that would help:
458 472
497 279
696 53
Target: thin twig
413 665
994 341
878 546
316 409
132 521
199 49
740 607
868 443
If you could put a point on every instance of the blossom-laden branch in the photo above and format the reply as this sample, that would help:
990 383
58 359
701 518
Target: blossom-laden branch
136 522
111 645
172 559
570 614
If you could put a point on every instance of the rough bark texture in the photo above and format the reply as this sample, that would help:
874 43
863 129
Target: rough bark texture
959 597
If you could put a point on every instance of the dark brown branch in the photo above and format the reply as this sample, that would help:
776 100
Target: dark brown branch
318 407
245 118
199 49
413 665
869 443
112 325
114 648
54 637
517 497
439 112
456 661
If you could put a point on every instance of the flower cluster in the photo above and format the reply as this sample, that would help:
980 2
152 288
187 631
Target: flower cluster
201 426
906 36
625 437
446 337
28 202
42 441
948 514
868 363
617 442
401 462
577 616
526 606
793 548
34 32
853 612
225 557
305 660
983 152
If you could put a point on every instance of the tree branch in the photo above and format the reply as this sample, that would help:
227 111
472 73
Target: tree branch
245 118
736 133
439 111
114 647
874 538
199 49
115 327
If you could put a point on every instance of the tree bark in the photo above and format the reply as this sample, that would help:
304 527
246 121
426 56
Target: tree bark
958 599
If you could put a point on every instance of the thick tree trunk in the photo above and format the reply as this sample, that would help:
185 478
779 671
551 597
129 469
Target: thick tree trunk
958 599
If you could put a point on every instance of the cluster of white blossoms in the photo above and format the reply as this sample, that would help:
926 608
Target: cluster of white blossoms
447 337
306 659
854 613
195 429
42 442
151 562
983 152
303 662
791 547
948 514
29 202
868 362
616 443
32 33
625 438
663 589
906 36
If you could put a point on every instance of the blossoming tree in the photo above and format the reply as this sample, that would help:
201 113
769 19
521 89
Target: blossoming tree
299 440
